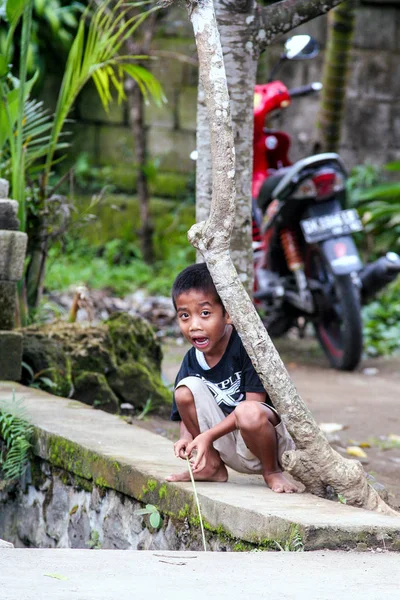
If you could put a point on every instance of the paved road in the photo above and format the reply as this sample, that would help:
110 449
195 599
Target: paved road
127 575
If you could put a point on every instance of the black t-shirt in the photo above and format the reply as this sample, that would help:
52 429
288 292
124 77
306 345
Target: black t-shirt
228 380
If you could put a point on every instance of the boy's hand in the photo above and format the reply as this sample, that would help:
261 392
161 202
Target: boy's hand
180 448
202 444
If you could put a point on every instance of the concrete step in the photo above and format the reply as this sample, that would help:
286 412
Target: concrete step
96 445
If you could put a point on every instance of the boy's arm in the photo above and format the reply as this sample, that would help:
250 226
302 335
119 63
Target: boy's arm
204 441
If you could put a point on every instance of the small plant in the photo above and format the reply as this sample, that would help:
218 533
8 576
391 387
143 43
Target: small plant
94 542
294 543
382 323
341 499
38 380
148 407
16 433
155 517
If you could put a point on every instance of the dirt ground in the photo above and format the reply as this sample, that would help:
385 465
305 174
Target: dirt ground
366 403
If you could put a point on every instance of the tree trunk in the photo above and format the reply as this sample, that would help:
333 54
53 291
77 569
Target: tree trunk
240 57
335 73
139 133
313 462
137 123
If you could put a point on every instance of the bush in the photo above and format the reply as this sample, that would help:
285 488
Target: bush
382 323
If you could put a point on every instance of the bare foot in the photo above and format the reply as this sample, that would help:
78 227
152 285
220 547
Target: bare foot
278 483
207 474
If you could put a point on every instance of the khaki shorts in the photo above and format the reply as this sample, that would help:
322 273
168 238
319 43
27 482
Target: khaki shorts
231 447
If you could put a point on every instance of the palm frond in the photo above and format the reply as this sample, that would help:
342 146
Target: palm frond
95 55
16 431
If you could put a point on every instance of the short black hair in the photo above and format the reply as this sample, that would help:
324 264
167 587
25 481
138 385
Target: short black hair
194 277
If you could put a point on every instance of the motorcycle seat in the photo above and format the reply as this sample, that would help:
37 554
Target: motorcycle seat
265 195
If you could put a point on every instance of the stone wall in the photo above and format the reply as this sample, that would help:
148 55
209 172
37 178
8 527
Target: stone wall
57 510
371 131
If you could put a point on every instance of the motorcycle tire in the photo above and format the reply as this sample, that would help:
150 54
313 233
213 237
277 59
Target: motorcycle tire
338 325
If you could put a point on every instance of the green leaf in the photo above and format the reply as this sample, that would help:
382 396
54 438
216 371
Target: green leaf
48 382
3 65
155 520
14 10
56 576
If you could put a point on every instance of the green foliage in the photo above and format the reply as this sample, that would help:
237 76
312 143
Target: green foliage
148 407
342 499
294 542
381 321
39 380
106 252
155 518
16 433
94 540
378 203
96 55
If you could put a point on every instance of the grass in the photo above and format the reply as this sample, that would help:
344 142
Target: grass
103 251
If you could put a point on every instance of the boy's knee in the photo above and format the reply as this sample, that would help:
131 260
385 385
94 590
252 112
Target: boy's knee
183 396
250 415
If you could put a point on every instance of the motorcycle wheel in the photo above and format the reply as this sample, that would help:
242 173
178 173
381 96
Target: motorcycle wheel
338 325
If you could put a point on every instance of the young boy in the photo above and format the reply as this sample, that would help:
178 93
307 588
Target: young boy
219 397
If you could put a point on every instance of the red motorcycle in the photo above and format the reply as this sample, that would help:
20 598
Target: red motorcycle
307 267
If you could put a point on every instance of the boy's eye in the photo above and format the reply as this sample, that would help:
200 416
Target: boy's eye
205 313
183 316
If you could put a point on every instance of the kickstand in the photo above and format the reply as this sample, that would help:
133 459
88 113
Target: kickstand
301 325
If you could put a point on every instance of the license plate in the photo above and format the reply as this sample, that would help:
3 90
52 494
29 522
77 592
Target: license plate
321 228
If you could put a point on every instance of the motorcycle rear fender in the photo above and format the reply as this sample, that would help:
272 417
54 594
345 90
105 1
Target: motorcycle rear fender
342 255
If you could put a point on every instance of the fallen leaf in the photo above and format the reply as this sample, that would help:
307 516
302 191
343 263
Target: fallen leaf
356 451
331 427
365 445
56 576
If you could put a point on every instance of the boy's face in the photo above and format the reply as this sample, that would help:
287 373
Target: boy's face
203 322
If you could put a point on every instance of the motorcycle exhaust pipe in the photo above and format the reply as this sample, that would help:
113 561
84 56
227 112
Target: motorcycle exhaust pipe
375 276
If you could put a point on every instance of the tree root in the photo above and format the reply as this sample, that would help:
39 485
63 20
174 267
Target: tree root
321 472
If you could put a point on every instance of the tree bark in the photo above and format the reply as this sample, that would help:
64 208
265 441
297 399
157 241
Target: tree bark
139 133
313 462
335 74
281 17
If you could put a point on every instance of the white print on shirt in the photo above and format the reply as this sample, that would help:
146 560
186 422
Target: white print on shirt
226 392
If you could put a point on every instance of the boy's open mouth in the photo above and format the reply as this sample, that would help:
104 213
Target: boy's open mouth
200 342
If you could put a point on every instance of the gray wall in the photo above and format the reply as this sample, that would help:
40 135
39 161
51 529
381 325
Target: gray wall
371 128
371 131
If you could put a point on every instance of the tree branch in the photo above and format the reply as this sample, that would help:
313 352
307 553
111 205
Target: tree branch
278 18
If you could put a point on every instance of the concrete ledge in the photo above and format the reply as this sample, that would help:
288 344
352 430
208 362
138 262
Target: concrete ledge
103 449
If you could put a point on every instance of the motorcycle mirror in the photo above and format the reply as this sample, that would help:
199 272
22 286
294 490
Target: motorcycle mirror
300 47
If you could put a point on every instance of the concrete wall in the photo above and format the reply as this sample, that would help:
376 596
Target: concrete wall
371 131
371 128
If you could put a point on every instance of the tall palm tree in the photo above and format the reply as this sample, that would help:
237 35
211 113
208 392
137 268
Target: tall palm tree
335 73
